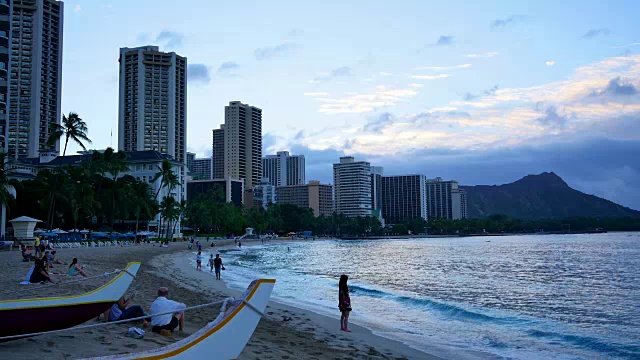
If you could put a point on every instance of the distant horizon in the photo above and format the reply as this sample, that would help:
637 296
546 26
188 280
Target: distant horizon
482 93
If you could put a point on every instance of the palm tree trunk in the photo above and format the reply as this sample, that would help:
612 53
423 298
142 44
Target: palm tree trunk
66 141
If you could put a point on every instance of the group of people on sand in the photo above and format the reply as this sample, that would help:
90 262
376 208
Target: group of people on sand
44 261
165 315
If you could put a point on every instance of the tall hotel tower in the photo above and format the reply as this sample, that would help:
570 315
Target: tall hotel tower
243 143
34 30
152 112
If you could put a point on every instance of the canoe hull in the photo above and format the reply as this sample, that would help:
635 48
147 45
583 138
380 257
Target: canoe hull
27 321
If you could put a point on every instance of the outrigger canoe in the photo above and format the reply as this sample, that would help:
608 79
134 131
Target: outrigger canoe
28 316
223 338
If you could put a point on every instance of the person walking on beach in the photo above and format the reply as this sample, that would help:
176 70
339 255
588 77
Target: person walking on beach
165 324
199 261
217 263
344 303
36 246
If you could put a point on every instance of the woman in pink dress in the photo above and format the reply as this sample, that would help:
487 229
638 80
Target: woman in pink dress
344 303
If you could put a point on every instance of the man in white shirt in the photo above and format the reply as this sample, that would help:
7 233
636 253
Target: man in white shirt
165 324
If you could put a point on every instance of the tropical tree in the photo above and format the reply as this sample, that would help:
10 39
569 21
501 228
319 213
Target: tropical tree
168 179
72 127
141 201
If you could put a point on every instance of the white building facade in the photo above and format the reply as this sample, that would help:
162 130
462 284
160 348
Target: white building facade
284 169
352 187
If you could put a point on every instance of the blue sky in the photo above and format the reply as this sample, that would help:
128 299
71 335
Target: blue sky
483 92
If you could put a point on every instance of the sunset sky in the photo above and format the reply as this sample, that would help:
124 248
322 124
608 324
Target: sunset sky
481 92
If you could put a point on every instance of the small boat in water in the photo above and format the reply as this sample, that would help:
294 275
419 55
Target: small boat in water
30 316
223 338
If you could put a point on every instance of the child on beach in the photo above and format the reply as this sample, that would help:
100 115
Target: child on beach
344 303
199 261
211 262
75 268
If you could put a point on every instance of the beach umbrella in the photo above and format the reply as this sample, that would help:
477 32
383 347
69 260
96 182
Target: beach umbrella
58 231
84 231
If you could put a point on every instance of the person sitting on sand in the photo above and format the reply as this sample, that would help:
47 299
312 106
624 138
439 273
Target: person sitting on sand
121 310
344 303
26 257
165 324
75 268
40 274
199 261
52 259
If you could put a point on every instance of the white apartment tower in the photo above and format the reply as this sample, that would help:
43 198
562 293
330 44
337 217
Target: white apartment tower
152 111
243 143
352 187
283 169
35 73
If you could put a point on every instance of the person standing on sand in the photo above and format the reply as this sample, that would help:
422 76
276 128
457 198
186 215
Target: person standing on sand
199 261
165 324
211 263
36 246
217 263
344 303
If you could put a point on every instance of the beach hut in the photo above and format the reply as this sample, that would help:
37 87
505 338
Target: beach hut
23 228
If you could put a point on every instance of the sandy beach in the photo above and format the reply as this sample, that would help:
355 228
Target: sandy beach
285 332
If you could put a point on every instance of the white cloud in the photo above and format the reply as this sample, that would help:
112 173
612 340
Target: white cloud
550 63
443 68
382 73
316 94
352 103
506 117
77 8
430 77
628 45
483 55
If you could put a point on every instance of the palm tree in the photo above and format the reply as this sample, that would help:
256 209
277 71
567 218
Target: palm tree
7 192
141 200
72 127
167 177
169 209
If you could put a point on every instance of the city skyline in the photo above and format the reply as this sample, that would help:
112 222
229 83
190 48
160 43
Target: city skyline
487 98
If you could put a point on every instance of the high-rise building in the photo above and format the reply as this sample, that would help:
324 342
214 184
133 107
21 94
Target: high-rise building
459 203
152 112
404 197
283 169
352 186
35 73
440 204
190 157
5 31
201 169
316 196
217 155
243 143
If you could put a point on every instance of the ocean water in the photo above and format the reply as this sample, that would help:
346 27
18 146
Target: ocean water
521 297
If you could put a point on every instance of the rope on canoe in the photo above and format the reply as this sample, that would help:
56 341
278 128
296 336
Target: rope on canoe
224 302
116 271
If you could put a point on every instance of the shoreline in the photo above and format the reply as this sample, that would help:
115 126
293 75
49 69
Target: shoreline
323 327
285 332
